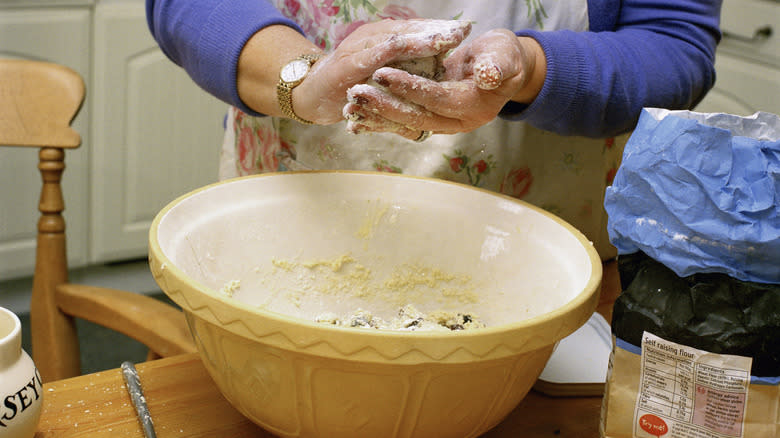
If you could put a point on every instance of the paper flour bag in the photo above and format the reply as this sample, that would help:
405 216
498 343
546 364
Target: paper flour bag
695 214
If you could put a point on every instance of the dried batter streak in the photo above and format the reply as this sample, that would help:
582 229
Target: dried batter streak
406 283
342 277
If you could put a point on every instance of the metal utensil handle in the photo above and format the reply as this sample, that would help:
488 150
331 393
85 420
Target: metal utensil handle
133 383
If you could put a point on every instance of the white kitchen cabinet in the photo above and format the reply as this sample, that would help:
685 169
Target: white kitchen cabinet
149 134
59 34
743 87
747 62
156 134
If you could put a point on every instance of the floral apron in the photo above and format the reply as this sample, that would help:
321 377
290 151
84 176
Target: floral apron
564 175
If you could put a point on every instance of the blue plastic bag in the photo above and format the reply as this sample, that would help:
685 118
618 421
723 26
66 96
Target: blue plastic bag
701 193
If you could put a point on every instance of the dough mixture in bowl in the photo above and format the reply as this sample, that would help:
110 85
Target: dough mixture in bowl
336 283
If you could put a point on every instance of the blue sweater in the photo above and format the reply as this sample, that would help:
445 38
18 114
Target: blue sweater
638 53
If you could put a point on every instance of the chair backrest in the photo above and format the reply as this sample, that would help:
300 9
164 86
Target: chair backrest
38 102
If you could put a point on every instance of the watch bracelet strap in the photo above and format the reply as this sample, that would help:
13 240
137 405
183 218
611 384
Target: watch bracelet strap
284 92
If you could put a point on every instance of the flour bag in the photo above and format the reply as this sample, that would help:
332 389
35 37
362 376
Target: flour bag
694 212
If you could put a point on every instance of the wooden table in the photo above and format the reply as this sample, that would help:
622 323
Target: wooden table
185 402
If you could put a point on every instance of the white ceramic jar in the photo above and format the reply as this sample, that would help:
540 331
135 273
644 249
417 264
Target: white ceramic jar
21 390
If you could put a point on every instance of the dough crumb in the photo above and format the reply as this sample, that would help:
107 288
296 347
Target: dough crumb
229 288
407 319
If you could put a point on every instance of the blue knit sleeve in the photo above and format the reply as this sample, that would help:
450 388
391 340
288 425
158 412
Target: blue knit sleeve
205 37
659 53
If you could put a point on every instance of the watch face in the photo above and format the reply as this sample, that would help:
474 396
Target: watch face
295 70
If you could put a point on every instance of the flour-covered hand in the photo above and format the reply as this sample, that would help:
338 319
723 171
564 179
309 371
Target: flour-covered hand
478 80
322 96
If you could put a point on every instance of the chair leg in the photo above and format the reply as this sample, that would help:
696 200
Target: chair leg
55 342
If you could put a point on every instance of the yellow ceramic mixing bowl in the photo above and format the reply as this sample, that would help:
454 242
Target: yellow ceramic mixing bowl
254 261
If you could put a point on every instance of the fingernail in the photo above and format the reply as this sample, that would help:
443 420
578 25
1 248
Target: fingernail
357 99
488 76
381 80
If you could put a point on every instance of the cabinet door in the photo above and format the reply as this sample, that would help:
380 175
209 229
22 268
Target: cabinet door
747 62
62 36
156 134
742 87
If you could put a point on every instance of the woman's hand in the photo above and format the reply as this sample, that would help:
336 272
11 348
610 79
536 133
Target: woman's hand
480 78
323 94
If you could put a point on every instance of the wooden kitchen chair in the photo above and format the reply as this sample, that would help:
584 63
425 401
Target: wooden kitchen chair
38 101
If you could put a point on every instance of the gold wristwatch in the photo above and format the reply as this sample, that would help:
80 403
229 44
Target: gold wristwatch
290 77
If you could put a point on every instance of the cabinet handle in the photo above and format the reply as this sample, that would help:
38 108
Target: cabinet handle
761 34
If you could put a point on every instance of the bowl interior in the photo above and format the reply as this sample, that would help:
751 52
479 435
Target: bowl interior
303 244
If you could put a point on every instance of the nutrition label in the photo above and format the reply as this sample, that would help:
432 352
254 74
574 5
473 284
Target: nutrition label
690 393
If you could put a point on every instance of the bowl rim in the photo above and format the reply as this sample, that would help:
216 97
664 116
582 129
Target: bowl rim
580 306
